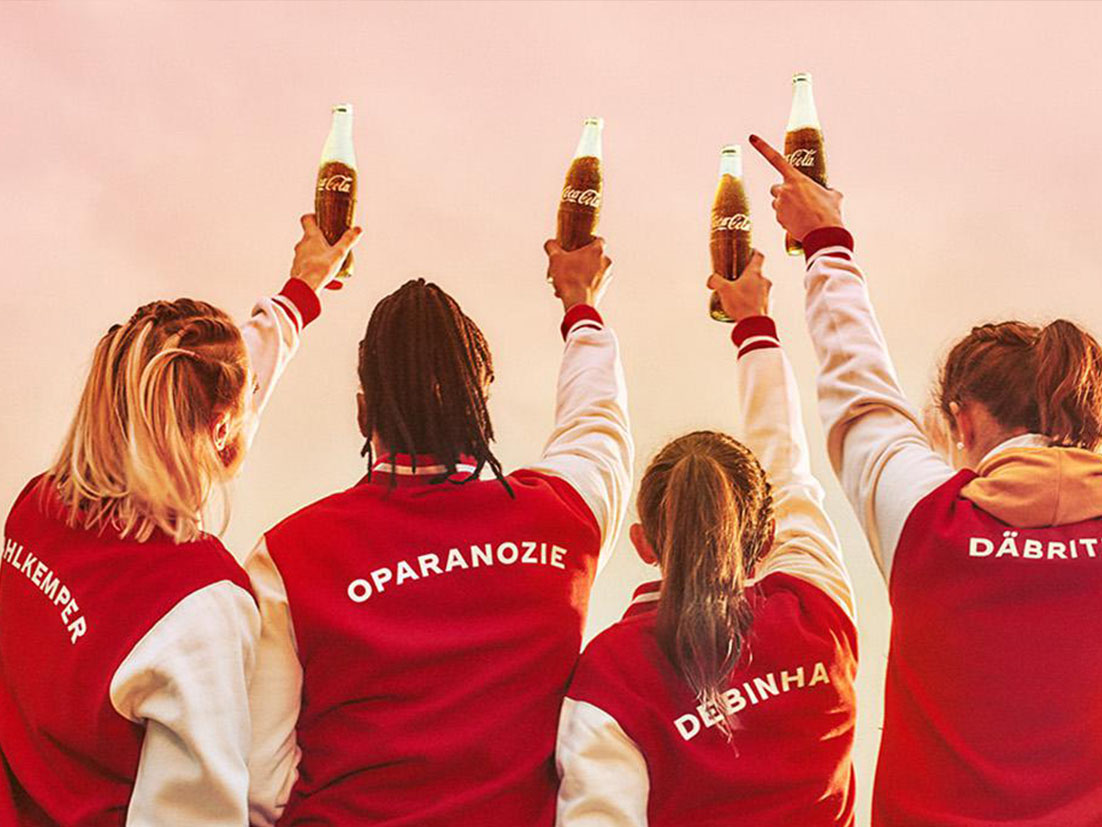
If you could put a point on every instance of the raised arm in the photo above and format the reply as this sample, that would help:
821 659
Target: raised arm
590 446
771 425
874 437
273 330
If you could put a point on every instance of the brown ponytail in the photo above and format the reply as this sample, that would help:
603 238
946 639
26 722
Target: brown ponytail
1069 385
706 508
1047 381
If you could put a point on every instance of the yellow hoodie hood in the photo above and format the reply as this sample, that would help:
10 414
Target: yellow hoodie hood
1033 487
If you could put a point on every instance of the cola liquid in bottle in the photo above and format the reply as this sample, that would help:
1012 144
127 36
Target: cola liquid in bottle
335 197
730 239
803 141
580 205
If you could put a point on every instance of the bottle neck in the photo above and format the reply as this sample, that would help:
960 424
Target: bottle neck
589 145
803 114
730 163
338 146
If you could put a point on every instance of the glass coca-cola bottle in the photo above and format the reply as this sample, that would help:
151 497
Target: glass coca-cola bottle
803 141
580 204
335 197
730 237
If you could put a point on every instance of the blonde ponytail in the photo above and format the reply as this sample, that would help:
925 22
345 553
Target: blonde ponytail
139 454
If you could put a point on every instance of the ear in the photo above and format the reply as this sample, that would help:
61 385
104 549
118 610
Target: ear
964 424
361 414
220 433
642 546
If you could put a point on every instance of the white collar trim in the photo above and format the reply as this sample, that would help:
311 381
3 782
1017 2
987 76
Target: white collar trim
1020 441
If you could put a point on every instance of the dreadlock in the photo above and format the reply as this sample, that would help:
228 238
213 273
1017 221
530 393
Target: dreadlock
423 369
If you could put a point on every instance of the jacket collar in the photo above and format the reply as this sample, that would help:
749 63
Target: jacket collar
416 469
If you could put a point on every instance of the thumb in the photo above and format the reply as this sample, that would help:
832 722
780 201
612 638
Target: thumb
716 281
552 246
347 241
753 266
309 223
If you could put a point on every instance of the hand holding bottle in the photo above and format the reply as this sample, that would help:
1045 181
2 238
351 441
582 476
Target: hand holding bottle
579 276
801 204
316 261
746 296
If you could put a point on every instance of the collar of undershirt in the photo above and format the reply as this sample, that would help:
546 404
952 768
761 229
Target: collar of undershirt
645 598
417 468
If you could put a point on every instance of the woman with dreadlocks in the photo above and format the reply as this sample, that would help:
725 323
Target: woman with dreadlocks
725 695
991 545
126 630
419 628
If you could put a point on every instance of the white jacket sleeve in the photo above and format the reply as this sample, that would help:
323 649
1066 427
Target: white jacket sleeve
272 334
186 681
275 695
591 446
603 775
806 544
874 437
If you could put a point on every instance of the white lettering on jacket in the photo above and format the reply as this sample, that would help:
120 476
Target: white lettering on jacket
749 693
1031 548
526 552
47 582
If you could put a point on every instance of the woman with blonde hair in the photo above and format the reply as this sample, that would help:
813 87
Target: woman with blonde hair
126 631
992 700
725 695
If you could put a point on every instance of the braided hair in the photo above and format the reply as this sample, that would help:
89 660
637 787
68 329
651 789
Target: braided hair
424 368
1046 380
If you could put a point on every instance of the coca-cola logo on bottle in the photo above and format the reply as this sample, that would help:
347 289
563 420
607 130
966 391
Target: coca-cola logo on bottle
738 221
802 158
583 198
335 183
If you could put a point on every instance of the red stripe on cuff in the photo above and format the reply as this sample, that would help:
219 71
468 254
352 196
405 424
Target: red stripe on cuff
761 345
301 296
577 313
824 237
753 326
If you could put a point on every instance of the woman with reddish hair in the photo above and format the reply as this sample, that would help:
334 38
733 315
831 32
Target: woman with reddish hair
993 712
127 631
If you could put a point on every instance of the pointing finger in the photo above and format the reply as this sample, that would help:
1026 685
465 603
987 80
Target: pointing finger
775 158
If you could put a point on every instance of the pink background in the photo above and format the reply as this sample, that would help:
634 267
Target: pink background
159 150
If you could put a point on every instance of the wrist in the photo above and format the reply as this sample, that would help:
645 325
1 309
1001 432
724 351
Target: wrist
574 298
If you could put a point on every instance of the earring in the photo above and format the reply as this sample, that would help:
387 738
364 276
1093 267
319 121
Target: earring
960 446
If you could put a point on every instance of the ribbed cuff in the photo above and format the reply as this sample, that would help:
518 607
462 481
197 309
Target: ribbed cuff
581 315
825 237
303 300
755 333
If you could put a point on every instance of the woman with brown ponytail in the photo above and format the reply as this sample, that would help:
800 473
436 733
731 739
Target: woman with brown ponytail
127 632
993 708
725 695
